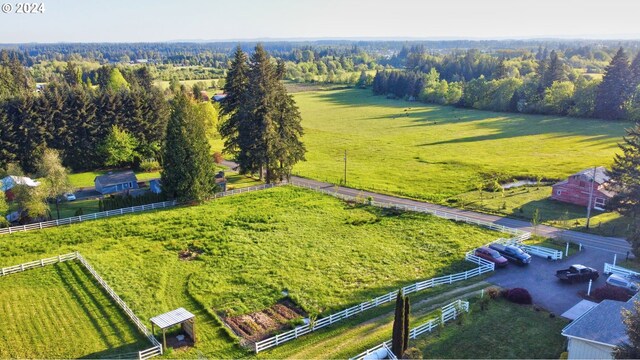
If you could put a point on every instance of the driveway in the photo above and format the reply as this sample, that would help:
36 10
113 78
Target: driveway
546 290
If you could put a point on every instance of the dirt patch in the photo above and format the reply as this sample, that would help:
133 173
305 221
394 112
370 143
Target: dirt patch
262 324
189 254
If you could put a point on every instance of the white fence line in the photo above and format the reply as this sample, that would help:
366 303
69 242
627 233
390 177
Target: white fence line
121 211
36 264
519 234
485 266
144 354
541 251
449 312
619 270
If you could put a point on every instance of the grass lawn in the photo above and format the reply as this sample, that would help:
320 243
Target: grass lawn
59 312
69 208
504 331
433 153
522 202
85 179
327 254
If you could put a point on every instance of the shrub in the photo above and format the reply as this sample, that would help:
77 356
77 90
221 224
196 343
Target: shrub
610 293
484 303
149 165
217 157
493 292
504 293
519 296
79 212
412 353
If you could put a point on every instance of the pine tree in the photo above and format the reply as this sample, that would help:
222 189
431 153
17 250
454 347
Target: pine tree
631 320
625 179
614 90
188 170
400 337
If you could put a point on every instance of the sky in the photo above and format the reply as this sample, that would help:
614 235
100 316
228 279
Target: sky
162 20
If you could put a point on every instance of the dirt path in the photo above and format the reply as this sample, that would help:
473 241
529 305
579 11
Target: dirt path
378 329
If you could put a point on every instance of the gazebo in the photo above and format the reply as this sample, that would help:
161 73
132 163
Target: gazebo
178 316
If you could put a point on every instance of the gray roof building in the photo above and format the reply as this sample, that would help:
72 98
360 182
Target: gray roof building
596 333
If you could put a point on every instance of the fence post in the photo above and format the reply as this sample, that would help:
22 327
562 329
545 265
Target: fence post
615 257
589 289
566 252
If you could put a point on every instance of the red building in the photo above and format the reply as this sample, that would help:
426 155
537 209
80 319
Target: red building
576 189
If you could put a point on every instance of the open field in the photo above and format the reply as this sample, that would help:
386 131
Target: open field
325 253
436 153
59 312
504 331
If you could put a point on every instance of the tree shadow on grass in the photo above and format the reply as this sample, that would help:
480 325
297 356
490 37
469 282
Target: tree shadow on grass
504 125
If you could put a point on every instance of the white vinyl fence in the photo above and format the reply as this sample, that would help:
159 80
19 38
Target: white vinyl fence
144 354
618 270
121 211
541 251
485 266
449 312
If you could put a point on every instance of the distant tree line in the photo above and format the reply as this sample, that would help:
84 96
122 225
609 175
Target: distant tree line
551 86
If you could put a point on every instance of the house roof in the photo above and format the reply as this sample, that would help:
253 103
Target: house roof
117 178
10 181
602 324
173 317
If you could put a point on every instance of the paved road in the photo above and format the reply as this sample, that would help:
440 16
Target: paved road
545 289
604 243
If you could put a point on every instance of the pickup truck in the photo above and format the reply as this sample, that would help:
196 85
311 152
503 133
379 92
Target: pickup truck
577 273
512 253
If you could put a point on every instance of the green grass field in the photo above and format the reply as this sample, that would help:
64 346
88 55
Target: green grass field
59 312
325 253
436 153
503 331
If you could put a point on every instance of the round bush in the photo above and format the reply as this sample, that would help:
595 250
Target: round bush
610 293
412 353
493 292
519 296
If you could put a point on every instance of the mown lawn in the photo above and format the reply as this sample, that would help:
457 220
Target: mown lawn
325 253
504 331
434 153
59 312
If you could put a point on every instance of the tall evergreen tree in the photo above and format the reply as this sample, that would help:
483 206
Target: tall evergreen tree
614 90
188 170
400 335
631 348
625 174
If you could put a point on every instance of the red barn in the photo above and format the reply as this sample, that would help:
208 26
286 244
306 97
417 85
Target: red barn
576 188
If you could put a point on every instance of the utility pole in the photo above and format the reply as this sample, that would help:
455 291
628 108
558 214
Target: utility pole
593 180
345 167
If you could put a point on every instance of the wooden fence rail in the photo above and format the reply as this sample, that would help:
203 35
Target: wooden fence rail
121 211
449 312
36 264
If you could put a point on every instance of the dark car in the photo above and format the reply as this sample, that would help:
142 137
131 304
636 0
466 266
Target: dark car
512 253
491 255
577 273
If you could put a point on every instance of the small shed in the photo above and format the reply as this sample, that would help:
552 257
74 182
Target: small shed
116 182
175 317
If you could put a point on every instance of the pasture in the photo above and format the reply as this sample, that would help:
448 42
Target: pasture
438 153
59 312
433 152
253 248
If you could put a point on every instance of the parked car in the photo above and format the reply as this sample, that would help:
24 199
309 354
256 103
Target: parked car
512 253
491 255
70 197
623 282
577 273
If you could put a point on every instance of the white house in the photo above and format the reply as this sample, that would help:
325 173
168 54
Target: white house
596 333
